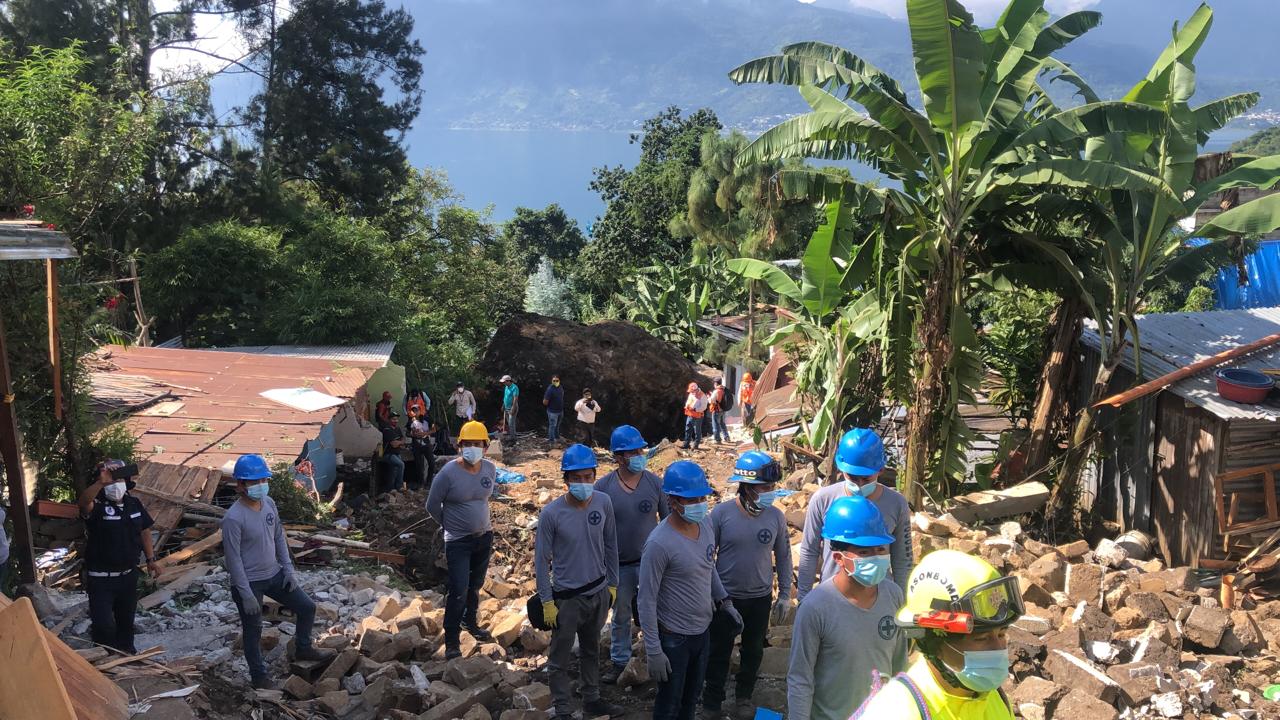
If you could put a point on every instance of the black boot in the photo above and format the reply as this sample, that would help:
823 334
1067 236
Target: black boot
451 649
612 673
600 706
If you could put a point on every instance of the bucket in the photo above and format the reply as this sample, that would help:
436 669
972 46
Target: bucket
1136 544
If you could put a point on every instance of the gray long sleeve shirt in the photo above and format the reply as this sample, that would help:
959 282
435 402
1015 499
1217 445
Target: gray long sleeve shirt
575 546
679 587
254 544
635 512
749 549
835 646
459 499
815 552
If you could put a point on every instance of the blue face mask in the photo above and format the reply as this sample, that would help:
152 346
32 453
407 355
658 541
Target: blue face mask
865 491
694 513
637 463
472 455
580 491
984 670
870 571
766 499
257 492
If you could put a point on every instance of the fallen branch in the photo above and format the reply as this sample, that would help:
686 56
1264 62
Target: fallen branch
145 654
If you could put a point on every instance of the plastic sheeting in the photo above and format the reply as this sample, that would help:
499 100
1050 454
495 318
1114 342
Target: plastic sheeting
1263 288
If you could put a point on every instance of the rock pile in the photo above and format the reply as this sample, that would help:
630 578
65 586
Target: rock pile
1109 634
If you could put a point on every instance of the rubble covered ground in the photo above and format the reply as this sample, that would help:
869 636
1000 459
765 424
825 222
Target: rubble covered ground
1108 633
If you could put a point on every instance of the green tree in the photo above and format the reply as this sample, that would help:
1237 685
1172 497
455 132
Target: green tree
544 234
640 202
546 294
1263 142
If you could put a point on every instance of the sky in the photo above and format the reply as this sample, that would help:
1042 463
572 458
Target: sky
983 10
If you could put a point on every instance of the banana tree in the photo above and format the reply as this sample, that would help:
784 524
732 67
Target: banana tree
669 300
962 183
1138 245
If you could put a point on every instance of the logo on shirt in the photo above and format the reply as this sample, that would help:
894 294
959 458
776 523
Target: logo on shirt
109 510
485 482
595 517
711 552
887 627
765 536
271 519
646 507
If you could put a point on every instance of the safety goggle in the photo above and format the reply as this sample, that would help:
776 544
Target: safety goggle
990 605
770 473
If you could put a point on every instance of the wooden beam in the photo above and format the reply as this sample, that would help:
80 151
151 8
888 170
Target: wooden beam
1194 368
195 549
991 504
55 357
93 695
166 593
30 686
11 453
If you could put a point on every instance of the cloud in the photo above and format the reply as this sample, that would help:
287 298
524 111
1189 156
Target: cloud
983 10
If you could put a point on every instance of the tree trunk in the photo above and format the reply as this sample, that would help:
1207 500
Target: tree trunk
1066 323
751 318
1065 490
928 396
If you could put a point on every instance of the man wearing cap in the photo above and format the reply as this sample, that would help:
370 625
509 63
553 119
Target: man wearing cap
751 544
118 528
459 502
859 460
463 402
695 405
258 564
845 637
679 593
576 563
638 504
510 404
382 412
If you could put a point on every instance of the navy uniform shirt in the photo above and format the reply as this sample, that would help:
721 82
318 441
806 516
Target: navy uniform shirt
114 531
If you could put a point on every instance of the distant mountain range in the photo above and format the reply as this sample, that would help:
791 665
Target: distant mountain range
609 64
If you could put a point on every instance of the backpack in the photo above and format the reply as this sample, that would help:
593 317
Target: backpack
726 402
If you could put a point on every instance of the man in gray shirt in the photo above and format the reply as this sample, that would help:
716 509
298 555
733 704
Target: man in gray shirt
859 460
638 503
751 543
575 559
258 563
845 633
679 593
459 501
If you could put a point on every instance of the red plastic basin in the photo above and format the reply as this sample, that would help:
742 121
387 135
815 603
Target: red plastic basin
1243 385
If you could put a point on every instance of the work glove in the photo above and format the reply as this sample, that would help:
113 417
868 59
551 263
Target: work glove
659 668
249 604
549 612
290 584
781 608
727 606
613 596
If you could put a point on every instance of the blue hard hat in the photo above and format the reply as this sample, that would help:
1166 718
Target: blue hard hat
251 467
685 478
861 452
857 521
577 457
626 437
757 468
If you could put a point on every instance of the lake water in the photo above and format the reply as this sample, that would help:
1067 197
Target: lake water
509 169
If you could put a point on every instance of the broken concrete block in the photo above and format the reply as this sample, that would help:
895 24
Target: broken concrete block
1148 605
1110 554
534 640
1071 671
636 672
1038 691
371 641
506 627
523 715
776 662
1128 619
1080 705
297 688
340 665
458 705
1205 626
536 696
1084 583
1167 705
1037 626
477 712
1138 681
1011 530
386 608
375 692
1095 625
1074 551
326 685
1243 637
469 672
335 702
1049 572
928 525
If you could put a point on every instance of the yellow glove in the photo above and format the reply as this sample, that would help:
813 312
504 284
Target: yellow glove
613 596
549 613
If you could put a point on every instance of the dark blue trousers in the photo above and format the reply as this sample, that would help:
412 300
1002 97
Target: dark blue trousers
297 602
678 696
468 562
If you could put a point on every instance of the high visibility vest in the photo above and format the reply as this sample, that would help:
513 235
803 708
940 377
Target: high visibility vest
916 695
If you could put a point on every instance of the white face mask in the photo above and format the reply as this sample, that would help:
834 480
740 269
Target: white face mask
115 491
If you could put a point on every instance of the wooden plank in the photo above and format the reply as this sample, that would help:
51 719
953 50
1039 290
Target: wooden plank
30 686
93 695
1269 492
148 653
195 549
393 558
1251 527
211 486
166 593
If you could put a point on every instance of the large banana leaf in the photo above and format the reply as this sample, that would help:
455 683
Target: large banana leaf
1186 42
1263 173
1255 217
820 289
1070 129
1214 115
1055 70
950 60
1067 172
840 56
777 280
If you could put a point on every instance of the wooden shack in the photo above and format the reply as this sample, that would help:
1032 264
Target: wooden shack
1195 470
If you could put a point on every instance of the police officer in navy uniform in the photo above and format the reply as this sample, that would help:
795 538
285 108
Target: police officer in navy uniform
119 533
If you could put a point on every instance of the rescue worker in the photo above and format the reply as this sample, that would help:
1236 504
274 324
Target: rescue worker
963 607
716 407
576 563
391 461
553 401
118 529
638 505
510 405
844 636
747 399
695 404
679 584
463 402
751 545
258 564
859 460
382 412
459 502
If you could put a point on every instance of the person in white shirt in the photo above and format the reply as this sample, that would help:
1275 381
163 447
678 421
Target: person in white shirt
587 409
464 403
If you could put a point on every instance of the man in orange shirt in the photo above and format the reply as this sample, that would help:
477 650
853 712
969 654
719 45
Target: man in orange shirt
695 404
747 398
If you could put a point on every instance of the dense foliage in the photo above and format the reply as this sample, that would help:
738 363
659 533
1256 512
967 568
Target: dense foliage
1263 142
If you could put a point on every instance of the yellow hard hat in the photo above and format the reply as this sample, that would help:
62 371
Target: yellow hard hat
474 430
956 592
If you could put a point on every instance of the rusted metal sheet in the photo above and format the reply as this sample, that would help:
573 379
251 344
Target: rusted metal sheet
31 240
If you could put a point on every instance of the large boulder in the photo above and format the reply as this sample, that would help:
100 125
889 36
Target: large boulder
636 378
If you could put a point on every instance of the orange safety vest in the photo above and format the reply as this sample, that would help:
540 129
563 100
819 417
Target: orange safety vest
689 409
748 389
416 405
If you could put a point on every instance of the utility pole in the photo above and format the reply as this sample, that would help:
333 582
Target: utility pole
11 453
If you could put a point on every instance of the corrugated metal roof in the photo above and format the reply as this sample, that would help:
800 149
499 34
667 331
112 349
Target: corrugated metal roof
1174 340
221 414
379 352
33 240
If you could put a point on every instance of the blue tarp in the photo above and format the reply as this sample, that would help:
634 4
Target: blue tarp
1263 288
324 459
